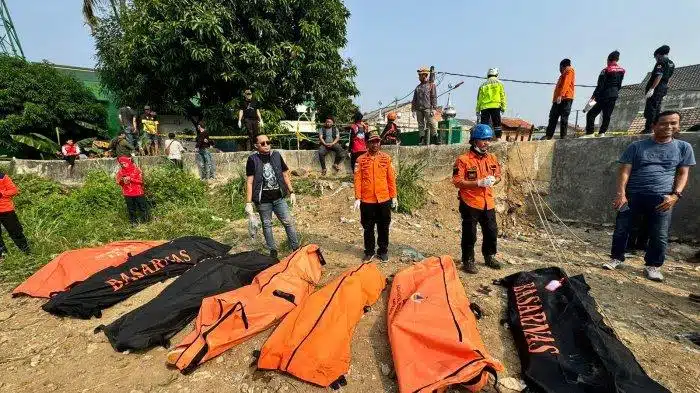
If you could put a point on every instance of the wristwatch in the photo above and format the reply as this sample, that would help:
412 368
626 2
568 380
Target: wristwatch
678 194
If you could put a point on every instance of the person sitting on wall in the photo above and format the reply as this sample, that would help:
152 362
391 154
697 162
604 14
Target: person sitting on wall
329 140
653 174
70 152
392 132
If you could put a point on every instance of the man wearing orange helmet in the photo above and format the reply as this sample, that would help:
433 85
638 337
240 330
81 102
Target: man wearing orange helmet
391 133
423 106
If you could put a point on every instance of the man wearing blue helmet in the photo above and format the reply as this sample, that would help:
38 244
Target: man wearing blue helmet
474 174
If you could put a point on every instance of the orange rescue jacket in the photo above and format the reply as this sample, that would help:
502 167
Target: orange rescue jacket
78 265
472 166
227 319
375 178
313 341
432 330
565 85
8 190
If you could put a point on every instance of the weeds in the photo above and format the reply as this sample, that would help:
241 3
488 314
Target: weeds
57 218
304 186
412 194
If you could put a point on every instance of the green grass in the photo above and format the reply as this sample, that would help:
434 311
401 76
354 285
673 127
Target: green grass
57 218
412 194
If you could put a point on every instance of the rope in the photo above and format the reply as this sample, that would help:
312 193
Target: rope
530 82
508 80
600 256
545 226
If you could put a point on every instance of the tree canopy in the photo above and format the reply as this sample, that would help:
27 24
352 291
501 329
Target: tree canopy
36 98
169 53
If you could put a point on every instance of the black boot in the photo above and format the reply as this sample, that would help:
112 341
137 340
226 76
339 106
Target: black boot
492 262
469 266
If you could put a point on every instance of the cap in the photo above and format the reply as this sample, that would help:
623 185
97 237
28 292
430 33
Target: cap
374 137
424 70
662 50
248 92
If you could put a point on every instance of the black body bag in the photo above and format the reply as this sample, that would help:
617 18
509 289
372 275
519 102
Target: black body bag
563 343
157 321
114 284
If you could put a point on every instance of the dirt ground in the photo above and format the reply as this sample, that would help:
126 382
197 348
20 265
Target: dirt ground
42 353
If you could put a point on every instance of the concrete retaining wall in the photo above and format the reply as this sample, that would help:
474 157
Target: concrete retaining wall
575 176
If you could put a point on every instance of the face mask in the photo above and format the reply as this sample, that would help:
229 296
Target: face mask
476 149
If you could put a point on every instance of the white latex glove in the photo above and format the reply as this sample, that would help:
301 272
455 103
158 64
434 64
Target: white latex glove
262 123
239 124
394 203
249 209
293 199
558 100
491 180
356 205
650 93
485 182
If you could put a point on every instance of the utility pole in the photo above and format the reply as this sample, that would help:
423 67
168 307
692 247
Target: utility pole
9 41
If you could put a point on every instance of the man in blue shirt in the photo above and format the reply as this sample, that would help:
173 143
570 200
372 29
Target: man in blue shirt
653 174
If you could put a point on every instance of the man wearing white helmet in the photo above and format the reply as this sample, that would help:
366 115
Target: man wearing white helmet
491 102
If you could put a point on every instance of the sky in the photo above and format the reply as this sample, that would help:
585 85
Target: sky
389 39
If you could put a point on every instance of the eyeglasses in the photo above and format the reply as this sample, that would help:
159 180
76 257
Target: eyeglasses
264 143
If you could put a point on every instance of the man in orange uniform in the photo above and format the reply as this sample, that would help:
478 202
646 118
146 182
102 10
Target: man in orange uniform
375 196
562 100
8 217
474 174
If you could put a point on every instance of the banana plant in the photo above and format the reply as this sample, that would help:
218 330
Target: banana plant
39 142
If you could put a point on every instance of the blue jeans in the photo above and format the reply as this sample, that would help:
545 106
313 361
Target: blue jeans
207 169
281 210
658 224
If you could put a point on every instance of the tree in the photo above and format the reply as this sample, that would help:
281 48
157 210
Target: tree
90 6
36 98
165 53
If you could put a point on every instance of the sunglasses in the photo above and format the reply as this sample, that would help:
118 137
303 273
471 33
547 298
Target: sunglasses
264 143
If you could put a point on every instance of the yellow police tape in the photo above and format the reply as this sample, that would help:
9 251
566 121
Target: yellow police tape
298 135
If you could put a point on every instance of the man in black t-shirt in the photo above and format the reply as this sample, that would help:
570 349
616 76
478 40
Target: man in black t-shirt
268 183
250 114
202 143
657 86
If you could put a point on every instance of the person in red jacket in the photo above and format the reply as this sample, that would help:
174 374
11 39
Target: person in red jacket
359 131
70 152
130 180
8 217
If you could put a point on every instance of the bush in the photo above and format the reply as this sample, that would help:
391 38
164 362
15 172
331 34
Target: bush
230 198
412 194
57 218
169 184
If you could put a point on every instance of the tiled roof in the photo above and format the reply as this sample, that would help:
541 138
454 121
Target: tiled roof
689 117
511 122
637 124
686 77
